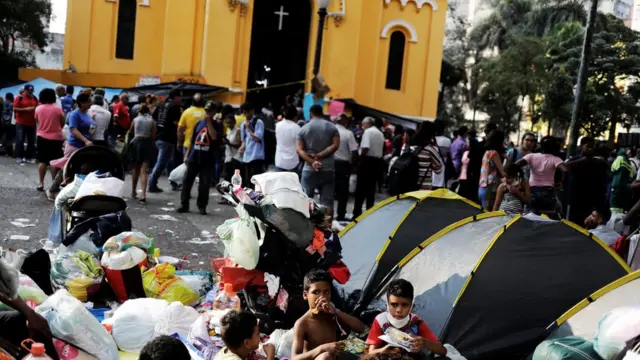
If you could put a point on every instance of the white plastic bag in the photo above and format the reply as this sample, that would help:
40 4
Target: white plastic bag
83 243
283 190
125 260
139 321
615 328
66 132
71 322
199 333
283 342
241 240
93 185
178 174
353 182
68 192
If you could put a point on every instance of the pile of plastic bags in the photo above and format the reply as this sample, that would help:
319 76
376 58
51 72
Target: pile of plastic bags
79 273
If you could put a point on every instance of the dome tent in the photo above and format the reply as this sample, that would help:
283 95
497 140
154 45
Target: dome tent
374 243
582 319
531 273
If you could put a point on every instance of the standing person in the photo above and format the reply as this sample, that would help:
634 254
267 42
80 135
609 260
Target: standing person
317 141
142 150
429 160
24 107
7 125
587 182
67 100
492 170
105 103
622 170
50 120
458 148
543 170
167 116
188 121
232 141
60 93
81 130
345 156
634 158
121 116
527 145
397 141
252 135
102 118
444 145
199 157
369 165
287 131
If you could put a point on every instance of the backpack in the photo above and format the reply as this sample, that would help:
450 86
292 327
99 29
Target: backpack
405 172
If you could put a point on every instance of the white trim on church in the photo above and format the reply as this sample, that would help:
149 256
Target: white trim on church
400 23
419 3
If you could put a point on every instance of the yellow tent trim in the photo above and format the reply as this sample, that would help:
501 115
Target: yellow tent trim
599 242
393 233
486 251
366 213
596 295
445 231
441 194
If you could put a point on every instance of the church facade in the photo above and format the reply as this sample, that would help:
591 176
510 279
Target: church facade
384 54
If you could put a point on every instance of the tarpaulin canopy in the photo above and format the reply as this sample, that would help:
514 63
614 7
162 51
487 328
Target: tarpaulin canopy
360 111
188 89
40 84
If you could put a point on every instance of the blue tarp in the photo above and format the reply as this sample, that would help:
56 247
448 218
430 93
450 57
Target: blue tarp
39 84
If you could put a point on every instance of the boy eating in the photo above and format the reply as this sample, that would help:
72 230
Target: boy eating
317 332
241 337
399 317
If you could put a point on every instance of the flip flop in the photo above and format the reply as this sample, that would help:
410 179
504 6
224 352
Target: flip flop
40 188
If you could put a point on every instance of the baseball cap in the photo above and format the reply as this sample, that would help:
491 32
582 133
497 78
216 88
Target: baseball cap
28 87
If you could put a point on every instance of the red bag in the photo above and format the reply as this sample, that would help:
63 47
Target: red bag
340 272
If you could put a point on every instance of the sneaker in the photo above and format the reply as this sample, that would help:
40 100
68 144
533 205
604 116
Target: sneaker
19 161
175 186
182 210
32 161
155 189
203 211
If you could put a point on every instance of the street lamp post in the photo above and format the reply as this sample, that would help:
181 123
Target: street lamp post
574 129
322 12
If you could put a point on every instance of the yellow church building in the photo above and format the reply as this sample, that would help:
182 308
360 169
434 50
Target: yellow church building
384 54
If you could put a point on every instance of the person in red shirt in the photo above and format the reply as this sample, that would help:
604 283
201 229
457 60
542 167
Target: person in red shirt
398 316
24 107
121 116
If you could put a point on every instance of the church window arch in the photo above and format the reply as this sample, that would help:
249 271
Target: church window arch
395 64
126 32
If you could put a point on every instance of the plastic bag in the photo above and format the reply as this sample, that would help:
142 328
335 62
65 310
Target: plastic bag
29 291
178 174
295 226
71 322
78 273
283 341
614 329
127 239
202 332
66 132
568 348
162 283
241 239
139 321
125 260
282 189
353 182
68 192
94 185
83 243
199 281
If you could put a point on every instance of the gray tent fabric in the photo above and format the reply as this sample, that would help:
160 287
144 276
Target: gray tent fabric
584 317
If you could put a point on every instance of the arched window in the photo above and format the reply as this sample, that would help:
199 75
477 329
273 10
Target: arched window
395 65
126 35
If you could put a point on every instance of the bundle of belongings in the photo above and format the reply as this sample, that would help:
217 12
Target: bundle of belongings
279 235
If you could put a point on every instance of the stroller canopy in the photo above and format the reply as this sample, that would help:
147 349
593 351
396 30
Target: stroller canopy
582 319
376 242
533 270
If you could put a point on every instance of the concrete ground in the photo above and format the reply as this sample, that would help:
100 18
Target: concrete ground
25 213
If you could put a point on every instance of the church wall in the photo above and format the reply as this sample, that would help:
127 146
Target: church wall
221 43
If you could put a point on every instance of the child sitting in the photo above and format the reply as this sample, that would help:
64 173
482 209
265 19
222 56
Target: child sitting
513 194
316 333
399 316
165 348
241 337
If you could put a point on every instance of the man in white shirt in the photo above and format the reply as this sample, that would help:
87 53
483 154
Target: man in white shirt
371 163
102 119
598 224
61 91
347 152
287 131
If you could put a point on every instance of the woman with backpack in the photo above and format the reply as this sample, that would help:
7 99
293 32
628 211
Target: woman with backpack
492 170
429 160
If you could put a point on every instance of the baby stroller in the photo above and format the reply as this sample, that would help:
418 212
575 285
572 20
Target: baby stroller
283 257
85 161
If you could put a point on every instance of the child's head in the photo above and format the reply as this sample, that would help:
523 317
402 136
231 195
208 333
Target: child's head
513 172
165 348
317 284
240 331
400 298
230 121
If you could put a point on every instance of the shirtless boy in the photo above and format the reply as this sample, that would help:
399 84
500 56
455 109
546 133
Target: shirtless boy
317 332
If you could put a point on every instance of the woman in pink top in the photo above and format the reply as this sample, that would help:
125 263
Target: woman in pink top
542 181
50 120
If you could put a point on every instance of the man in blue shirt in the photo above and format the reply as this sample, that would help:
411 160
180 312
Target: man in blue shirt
252 135
199 158
67 101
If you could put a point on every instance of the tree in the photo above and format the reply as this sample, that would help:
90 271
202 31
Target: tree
23 21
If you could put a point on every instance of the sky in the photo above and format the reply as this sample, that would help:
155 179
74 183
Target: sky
59 18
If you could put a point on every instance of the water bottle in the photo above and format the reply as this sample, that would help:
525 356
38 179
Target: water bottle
236 180
227 299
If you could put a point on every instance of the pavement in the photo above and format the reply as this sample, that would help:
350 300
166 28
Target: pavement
25 213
